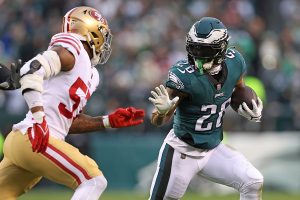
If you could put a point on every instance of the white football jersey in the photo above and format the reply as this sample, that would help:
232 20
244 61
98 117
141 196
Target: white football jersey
65 94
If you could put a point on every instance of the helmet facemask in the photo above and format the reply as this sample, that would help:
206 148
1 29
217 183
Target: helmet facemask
102 54
207 57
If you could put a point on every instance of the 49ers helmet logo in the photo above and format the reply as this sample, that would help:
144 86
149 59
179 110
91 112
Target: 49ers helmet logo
97 16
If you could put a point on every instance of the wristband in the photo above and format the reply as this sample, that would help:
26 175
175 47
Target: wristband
38 116
105 120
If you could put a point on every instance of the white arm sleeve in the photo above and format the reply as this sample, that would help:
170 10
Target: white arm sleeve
33 98
42 66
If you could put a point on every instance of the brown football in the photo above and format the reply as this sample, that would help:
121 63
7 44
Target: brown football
242 94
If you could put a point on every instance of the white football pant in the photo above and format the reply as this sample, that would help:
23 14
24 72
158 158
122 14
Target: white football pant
222 165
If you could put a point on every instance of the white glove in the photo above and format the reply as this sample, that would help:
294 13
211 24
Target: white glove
161 100
254 114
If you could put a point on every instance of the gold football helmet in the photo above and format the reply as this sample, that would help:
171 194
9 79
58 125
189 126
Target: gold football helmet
93 28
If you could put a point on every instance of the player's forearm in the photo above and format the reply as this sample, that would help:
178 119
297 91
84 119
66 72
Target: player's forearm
85 123
159 120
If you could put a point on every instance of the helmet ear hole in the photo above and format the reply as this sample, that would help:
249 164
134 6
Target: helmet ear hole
94 35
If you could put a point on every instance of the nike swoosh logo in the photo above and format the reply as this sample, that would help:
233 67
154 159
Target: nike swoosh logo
182 71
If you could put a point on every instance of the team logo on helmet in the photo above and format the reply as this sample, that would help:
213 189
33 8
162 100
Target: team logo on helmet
97 16
214 37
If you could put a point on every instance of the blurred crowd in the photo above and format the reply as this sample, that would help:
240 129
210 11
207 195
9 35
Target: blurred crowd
149 36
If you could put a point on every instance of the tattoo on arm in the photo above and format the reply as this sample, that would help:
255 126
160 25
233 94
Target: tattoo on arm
85 123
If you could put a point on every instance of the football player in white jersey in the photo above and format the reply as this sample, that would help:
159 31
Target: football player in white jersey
56 85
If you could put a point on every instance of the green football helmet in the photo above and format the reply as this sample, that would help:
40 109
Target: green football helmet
206 44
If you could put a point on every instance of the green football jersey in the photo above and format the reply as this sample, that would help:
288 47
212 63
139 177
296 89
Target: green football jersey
198 120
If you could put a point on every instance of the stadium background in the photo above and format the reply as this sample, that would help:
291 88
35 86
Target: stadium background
148 36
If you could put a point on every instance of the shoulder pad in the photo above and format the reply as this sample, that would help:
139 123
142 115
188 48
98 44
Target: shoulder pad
178 75
235 58
68 41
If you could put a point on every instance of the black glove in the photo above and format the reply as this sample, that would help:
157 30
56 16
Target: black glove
10 79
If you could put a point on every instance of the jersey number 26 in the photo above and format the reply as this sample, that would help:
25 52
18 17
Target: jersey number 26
204 123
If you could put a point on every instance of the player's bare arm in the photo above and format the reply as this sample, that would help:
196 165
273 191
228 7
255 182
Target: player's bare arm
67 59
122 117
165 101
86 123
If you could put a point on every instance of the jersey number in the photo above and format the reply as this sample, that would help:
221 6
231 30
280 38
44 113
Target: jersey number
230 53
78 84
204 123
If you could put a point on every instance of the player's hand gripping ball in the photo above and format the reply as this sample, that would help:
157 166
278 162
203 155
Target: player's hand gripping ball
242 94
245 101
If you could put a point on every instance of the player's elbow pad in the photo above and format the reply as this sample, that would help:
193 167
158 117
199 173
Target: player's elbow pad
42 66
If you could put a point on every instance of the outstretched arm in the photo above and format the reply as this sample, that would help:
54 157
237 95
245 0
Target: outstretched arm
85 123
122 117
165 101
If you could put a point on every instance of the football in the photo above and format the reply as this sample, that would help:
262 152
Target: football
242 94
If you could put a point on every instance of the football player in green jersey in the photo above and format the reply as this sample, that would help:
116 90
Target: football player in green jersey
200 89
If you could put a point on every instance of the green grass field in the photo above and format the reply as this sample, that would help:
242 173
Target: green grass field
63 195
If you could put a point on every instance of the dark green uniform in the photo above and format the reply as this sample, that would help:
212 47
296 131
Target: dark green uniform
198 119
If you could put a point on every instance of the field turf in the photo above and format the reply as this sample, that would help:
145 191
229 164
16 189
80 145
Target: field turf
109 195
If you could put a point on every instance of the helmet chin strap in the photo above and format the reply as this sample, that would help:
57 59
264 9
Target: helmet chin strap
95 59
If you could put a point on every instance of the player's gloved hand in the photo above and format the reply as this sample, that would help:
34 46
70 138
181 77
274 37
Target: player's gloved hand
161 100
124 117
39 133
10 79
254 114
15 74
